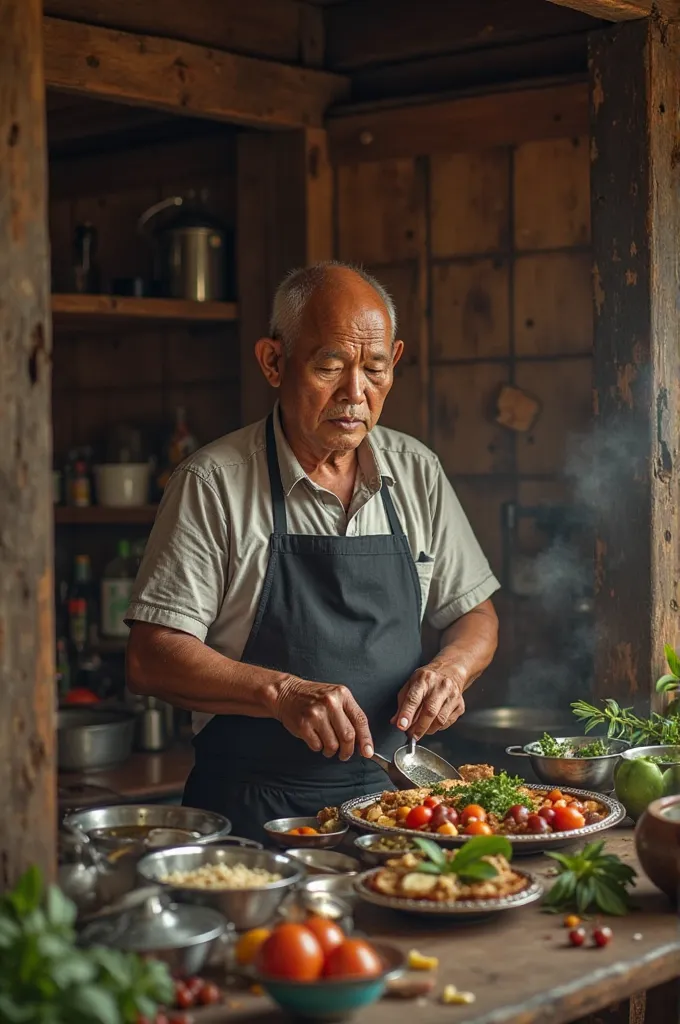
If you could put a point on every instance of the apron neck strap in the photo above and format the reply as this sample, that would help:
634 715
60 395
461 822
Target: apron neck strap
278 497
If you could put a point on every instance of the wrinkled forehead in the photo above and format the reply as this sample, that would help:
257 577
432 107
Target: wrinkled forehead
342 318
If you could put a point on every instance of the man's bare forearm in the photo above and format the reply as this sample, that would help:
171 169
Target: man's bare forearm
182 670
469 644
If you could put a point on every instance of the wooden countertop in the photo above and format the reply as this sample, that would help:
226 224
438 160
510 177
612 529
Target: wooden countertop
142 777
519 964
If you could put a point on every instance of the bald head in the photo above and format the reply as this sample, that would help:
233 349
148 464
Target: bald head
309 294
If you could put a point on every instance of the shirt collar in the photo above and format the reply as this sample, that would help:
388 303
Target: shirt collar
371 462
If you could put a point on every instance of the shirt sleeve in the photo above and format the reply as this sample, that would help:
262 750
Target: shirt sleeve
183 576
461 575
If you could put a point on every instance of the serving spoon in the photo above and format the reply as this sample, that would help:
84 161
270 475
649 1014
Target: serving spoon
413 767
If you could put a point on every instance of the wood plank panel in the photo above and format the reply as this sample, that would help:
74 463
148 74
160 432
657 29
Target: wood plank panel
553 306
361 34
552 194
27 720
465 437
564 388
269 28
458 125
378 212
184 78
402 284
482 500
636 224
622 10
402 410
469 202
471 309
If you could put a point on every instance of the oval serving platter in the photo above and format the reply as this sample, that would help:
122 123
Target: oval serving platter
522 844
467 909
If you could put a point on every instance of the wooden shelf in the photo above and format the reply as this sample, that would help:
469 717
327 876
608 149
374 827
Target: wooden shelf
75 310
101 515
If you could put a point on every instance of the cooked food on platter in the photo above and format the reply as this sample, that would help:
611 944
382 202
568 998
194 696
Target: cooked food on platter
482 803
329 820
403 878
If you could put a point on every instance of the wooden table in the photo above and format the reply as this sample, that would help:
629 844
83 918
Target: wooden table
519 965
143 777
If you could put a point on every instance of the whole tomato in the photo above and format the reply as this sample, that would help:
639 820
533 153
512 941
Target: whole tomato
519 813
355 958
292 952
419 816
477 828
567 819
548 814
432 801
537 824
472 811
444 815
328 933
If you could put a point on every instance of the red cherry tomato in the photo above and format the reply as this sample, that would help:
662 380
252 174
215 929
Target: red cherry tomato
477 828
536 824
548 814
355 958
577 936
443 815
327 932
519 813
432 801
473 811
567 819
194 985
184 997
418 816
602 936
161 1018
291 952
209 994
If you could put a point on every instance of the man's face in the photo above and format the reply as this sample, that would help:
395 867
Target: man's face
335 380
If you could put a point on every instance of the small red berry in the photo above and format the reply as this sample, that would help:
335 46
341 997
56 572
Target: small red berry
602 936
577 936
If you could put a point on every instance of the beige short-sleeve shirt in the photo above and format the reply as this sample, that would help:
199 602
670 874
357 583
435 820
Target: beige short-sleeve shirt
206 559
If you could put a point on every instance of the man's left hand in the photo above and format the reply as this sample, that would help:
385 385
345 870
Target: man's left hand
430 701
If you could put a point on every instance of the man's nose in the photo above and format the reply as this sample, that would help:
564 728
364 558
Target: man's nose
352 389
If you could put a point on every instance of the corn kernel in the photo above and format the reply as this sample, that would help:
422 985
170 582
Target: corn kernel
452 997
572 921
418 962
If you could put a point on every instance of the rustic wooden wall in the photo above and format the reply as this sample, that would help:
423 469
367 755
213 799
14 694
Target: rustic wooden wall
139 374
487 255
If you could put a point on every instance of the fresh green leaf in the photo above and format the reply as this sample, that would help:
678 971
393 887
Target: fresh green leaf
673 660
481 846
26 895
667 684
97 1004
561 891
77 970
12 1013
426 867
609 900
61 912
479 871
433 850
585 894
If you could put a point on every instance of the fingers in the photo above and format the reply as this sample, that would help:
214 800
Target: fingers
428 703
410 699
362 731
449 713
335 724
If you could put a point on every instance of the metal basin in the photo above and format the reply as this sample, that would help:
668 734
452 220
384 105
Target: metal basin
279 828
506 725
244 908
207 827
595 773
90 738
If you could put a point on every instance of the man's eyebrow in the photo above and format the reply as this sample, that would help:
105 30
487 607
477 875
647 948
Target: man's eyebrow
330 353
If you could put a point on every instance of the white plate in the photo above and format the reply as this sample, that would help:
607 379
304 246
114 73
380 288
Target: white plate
522 844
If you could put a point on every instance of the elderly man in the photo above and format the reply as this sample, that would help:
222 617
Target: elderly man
284 584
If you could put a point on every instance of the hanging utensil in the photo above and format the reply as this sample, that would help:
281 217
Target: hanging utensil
414 766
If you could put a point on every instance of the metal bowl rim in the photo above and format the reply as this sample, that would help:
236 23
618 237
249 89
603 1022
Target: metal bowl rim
208 837
306 851
532 891
218 928
268 827
570 760
617 813
397 968
283 883
649 748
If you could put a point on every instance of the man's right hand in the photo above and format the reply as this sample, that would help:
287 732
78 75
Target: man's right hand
325 716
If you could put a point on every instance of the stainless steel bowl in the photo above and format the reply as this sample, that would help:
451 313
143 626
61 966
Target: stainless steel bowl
372 857
93 738
278 828
596 773
322 862
244 908
339 887
209 827
662 750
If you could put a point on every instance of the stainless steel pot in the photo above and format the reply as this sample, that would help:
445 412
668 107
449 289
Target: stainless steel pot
191 251
93 738
208 827
595 773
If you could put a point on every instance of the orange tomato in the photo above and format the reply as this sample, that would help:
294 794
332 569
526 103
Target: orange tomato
292 952
447 829
328 933
304 830
403 813
567 818
432 801
478 828
554 795
355 958
473 811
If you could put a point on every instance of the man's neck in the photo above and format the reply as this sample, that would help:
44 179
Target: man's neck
333 470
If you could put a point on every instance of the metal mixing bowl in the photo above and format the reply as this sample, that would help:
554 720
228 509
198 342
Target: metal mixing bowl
375 858
90 738
210 827
278 829
672 749
244 908
595 773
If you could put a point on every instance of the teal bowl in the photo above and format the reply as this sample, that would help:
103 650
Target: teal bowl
334 1000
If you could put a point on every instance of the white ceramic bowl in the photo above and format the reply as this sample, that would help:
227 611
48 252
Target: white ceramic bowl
123 485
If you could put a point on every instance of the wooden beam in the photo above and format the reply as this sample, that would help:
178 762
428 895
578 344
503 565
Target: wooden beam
27 694
361 34
623 10
185 79
285 220
276 29
635 190
455 125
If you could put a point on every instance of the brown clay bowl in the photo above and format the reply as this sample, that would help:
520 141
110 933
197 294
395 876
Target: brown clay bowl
657 840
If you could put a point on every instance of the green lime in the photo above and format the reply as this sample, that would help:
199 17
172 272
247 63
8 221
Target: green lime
671 781
637 783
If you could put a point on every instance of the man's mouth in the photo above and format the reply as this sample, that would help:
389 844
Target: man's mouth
347 423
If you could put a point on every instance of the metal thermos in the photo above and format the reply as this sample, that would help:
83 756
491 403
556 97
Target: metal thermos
155 725
193 252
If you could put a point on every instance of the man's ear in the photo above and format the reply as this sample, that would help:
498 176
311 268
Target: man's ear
397 352
270 355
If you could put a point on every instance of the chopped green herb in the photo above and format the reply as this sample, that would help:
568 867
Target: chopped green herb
598 748
496 795
551 747
670 758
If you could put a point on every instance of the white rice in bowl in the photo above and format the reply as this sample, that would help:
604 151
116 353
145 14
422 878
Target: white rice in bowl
222 876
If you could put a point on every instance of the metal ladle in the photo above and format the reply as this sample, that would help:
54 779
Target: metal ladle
413 767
